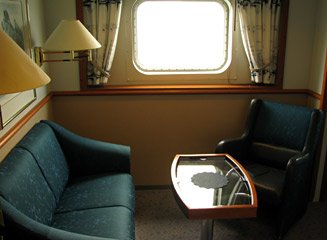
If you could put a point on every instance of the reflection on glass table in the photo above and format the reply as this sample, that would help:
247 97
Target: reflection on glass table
212 186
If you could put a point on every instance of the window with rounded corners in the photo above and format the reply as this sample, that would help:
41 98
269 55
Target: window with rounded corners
182 37
128 79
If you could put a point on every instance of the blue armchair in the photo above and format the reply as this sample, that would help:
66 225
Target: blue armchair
278 148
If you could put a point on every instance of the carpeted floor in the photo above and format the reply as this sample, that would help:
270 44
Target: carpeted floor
158 217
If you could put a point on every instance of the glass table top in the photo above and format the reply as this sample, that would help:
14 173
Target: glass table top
212 181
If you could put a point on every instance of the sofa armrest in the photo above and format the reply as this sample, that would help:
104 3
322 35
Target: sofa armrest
86 156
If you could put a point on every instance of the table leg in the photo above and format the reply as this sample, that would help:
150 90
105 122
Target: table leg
207 229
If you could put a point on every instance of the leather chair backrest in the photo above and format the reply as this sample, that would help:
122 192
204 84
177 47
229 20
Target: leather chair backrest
280 132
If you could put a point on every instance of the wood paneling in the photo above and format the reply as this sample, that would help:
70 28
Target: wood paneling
185 89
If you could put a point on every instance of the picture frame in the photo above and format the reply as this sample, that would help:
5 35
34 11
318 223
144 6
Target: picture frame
14 20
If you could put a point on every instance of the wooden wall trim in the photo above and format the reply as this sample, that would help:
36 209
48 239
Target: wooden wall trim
314 95
11 132
185 89
283 22
323 106
323 102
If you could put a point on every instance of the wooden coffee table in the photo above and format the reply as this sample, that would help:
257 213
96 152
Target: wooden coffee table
212 186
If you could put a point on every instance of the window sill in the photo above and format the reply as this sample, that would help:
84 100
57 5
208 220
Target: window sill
183 89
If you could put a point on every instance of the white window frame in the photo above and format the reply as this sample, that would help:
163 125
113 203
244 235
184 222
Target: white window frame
124 72
217 70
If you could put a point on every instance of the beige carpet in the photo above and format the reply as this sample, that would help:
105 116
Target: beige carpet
158 217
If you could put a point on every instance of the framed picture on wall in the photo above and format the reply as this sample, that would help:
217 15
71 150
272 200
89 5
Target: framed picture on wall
14 20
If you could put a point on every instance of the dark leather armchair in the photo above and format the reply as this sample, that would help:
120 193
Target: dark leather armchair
278 148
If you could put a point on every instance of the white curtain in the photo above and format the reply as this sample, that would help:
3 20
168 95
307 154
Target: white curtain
102 18
259 20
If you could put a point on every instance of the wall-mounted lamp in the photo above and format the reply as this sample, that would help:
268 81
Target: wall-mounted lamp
18 72
70 37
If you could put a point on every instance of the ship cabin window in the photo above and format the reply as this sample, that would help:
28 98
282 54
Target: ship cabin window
182 37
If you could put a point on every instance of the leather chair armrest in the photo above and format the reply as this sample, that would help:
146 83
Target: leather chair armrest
86 156
298 177
298 173
236 147
296 190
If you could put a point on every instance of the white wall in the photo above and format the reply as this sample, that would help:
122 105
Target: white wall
319 47
306 45
300 35
299 49
38 38
65 75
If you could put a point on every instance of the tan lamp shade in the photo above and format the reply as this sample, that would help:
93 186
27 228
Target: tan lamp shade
18 72
71 35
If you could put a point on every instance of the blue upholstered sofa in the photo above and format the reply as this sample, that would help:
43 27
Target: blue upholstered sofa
57 185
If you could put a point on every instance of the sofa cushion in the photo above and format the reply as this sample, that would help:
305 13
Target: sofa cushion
24 186
268 181
271 155
98 191
110 222
41 142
